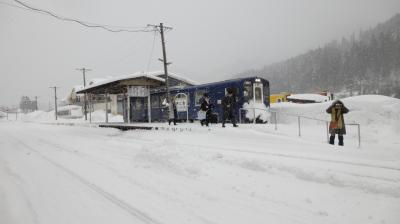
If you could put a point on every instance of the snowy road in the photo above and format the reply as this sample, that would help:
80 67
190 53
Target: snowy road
60 174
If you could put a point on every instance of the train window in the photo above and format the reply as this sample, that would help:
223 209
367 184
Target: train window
266 93
235 90
154 101
138 105
247 90
258 94
198 96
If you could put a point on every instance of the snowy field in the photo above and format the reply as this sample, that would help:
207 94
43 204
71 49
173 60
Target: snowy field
251 174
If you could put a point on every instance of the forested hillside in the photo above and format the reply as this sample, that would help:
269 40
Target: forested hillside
366 63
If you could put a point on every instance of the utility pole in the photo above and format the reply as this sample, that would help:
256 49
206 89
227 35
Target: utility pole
84 70
55 99
161 29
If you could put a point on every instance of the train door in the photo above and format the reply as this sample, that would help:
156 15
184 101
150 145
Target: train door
258 95
139 109
182 105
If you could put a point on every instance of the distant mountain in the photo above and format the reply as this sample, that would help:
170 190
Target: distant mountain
367 64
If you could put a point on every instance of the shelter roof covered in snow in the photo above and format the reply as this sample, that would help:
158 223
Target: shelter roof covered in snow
152 79
117 84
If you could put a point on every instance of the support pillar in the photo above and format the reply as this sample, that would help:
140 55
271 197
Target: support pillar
128 105
90 108
149 105
106 101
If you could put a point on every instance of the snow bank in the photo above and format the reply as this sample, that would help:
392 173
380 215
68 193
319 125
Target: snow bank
100 116
365 110
378 116
38 116
261 112
43 116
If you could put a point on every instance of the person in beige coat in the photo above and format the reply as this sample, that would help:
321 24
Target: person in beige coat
337 125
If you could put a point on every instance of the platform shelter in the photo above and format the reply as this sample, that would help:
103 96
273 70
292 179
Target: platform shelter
135 85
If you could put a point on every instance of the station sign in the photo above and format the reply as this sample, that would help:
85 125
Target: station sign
138 91
181 104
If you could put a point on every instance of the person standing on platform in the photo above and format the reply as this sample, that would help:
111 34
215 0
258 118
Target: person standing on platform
172 112
228 106
206 109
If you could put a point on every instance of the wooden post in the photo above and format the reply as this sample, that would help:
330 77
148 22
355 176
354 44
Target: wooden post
90 108
359 136
298 119
149 105
128 105
106 101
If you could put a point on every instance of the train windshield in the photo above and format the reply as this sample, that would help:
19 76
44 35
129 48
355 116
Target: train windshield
258 94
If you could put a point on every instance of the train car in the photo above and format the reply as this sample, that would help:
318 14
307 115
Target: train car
251 92
70 112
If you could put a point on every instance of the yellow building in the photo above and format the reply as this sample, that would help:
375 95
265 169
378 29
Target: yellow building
278 98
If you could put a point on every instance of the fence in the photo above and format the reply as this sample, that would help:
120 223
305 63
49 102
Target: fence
8 115
299 117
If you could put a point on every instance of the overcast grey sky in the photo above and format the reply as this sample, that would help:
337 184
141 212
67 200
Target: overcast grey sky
211 39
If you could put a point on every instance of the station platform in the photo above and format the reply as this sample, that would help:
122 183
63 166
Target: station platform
147 126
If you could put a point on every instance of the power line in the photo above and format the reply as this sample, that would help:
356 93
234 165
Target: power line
161 28
116 29
151 52
11 5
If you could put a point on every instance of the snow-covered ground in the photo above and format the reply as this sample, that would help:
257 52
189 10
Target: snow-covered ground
250 174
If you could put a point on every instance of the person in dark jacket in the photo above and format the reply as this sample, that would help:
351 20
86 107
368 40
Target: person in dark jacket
206 108
337 126
228 106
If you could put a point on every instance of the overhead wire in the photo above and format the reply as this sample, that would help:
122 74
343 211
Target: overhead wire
11 5
151 52
109 28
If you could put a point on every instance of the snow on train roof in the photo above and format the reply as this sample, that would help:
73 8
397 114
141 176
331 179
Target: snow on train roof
309 96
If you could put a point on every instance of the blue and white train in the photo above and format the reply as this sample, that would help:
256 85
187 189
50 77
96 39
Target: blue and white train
251 92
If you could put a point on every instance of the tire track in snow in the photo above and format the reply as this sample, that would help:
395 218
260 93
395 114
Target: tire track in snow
332 179
293 156
276 155
17 180
116 201
285 156
155 144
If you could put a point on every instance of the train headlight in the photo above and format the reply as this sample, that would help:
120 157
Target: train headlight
258 80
